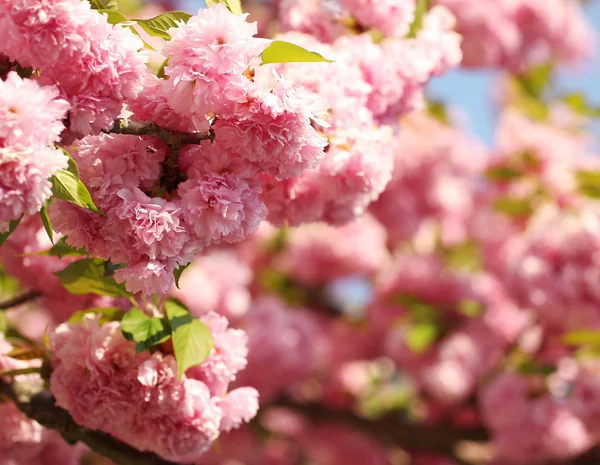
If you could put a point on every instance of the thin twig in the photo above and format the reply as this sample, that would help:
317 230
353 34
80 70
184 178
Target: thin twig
19 300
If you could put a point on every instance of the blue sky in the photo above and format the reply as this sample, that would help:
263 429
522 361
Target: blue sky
471 90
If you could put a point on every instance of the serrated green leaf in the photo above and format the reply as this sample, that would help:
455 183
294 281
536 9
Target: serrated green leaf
46 222
66 185
11 227
104 4
234 5
114 17
89 276
581 337
178 272
192 340
421 336
285 52
144 330
160 25
106 314
61 249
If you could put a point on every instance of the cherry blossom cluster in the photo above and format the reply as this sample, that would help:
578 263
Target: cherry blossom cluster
164 204
30 122
137 397
96 65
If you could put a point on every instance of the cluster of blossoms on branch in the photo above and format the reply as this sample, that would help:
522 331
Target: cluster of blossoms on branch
289 222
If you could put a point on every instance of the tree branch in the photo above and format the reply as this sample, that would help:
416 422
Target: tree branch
392 429
174 140
43 409
150 128
19 300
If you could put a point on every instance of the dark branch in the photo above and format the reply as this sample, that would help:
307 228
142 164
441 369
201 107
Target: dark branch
43 409
19 300
150 128
171 176
393 429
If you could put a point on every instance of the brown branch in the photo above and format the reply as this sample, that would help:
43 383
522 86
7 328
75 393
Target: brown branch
392 429
19 300
173 139
43 409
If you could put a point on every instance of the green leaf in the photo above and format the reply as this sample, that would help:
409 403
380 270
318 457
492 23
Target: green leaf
105 5
89 276
144 330
66 185
106 314
192 341
419 310
285 52
177 273
11 227
420 11
471 308
3 322
61 249
579 104
160 25
502 173
114 17
421 336
581 337
234 6
513 206
535 81
46 222
438 111
588 183
161 71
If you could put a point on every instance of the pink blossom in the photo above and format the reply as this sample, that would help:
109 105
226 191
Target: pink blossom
318 253
30 120
515 33
136 397
68 40
216 282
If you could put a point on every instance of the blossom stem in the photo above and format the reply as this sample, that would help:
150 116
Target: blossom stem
19 300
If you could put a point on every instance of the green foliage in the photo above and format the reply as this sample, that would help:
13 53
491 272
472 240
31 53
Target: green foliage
192 341
579 104
421 336
438 111
61 249
536 80
420 12
581 337
160 25
471 308
91 276
588 183
515 207
161 71
285 52
106 314
144 330
234 6
11 227
66 185
178 272
502 174
104 4
46 222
